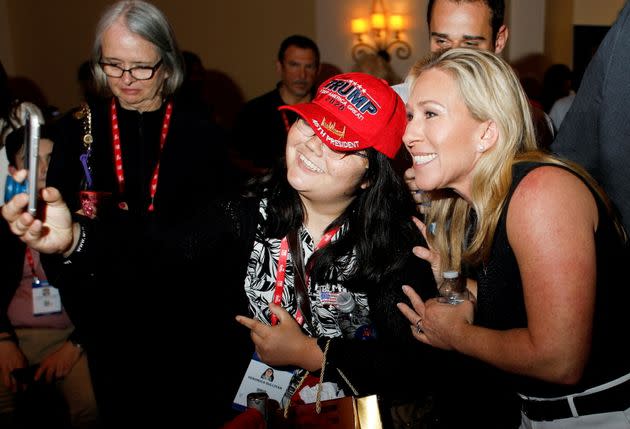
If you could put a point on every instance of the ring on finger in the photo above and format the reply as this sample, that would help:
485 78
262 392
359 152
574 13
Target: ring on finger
419 329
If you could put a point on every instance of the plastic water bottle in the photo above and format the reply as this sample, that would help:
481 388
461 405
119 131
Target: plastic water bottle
453 288
354 321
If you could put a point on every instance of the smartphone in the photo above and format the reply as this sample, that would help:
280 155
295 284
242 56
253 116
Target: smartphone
31 158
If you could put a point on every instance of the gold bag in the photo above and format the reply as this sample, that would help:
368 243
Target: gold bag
343 413
368 412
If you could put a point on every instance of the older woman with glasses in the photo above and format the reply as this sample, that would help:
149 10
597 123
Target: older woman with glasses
128 166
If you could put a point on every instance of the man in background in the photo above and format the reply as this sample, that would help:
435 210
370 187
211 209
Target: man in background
298 67
596 131
477 24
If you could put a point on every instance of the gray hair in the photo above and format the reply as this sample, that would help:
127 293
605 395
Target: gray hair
148 22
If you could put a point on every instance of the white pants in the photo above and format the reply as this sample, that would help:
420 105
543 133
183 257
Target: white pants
616 420
610 420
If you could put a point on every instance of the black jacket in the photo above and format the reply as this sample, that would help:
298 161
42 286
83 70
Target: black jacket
147 323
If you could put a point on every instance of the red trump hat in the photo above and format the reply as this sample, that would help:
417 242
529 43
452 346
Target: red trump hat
355 111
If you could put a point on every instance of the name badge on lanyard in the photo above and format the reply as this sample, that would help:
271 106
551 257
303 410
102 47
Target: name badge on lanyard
46 298
260 377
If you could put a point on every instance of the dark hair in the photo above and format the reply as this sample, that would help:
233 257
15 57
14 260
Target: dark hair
301 42
380 229
497 13
557 83
15 141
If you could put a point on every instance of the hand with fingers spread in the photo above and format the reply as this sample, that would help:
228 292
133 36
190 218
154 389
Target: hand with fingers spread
435 323
284 343
52 235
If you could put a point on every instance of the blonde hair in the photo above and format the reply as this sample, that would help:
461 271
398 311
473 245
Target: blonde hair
491 91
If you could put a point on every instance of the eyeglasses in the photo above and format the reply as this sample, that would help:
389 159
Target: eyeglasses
138 72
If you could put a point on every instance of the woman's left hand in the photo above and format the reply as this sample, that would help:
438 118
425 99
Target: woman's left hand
436 323
59 363
284 343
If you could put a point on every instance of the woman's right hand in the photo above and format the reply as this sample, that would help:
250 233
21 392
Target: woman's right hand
54 235
11 357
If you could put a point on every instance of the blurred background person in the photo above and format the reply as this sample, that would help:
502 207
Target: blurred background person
87 87
12 116
596 130
557 83
35 329
297 66
377 65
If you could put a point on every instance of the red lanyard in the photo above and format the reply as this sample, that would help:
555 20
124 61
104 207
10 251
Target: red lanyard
120 175
282 267
31 263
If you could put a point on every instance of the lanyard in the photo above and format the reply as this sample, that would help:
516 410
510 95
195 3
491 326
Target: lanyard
282 267
31 264
120 175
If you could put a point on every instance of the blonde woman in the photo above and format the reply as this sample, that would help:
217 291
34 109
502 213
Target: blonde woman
536 233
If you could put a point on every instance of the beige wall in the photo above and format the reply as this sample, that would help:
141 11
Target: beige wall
6 53
559 31
47 40
239 38
335 38
596 12
562 15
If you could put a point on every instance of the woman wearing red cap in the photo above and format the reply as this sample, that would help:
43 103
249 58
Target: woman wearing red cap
336 221
342 209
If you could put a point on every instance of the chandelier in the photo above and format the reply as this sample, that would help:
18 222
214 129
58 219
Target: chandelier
384 34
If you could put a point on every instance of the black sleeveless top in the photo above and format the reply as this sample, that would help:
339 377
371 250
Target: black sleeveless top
500 302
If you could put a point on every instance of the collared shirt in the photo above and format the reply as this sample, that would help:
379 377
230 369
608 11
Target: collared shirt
260 282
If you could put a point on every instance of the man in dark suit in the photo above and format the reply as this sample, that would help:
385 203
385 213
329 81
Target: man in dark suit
260 132
596 131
